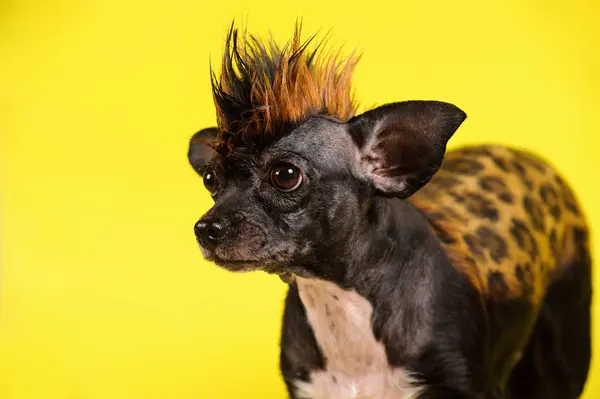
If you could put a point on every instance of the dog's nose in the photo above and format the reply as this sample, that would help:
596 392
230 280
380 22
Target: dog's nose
209 232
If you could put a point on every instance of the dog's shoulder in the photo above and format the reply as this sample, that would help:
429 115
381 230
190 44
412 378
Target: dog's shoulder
506 218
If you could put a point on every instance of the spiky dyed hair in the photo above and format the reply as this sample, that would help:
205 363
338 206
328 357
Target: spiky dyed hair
264 87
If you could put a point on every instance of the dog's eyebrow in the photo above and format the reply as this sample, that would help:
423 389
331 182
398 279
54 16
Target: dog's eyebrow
280 154
212 164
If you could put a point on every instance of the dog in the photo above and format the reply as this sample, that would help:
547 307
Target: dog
414 271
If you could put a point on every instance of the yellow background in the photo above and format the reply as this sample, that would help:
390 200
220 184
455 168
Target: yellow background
103 291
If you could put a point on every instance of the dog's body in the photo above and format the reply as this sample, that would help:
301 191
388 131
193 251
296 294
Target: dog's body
520 277
413 273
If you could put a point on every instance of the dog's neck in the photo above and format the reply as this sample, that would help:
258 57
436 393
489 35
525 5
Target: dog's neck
380 289
393 240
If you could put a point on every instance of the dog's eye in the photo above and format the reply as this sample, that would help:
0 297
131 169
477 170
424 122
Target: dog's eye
210 181
286 177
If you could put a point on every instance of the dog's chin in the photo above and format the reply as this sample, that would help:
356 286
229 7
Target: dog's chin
237 265
233 265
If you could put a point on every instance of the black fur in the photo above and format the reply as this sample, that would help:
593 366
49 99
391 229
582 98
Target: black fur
348 223
556 360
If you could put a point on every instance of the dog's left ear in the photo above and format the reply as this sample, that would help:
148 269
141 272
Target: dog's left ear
199 151
402 145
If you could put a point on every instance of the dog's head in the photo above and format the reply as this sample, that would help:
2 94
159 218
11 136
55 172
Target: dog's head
299 199
292 169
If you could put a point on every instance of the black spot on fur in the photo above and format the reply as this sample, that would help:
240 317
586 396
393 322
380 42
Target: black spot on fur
480 206
553 242
519 168
530 278
474 246
447 182
457 197
525 276
501 163
519 273
476 151
506 197
581 237
497 285
436 216
525 240
463 166
495 244
521 171
568 197
535 213
516 167
550 198
571 205
451 213
529 159
443 235
496 185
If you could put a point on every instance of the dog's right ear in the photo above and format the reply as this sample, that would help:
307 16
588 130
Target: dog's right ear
200 152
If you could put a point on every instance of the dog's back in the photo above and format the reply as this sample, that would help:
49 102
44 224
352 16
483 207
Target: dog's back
512 225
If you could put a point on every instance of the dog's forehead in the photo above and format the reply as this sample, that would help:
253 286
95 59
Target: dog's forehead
320 139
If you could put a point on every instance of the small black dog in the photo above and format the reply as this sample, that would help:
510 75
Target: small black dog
473 283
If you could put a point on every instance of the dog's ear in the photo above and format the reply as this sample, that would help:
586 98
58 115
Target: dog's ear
402 145
200 151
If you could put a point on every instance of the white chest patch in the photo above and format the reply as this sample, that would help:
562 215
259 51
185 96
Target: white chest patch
356 363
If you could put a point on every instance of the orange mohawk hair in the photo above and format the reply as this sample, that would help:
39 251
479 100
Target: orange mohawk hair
263 87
